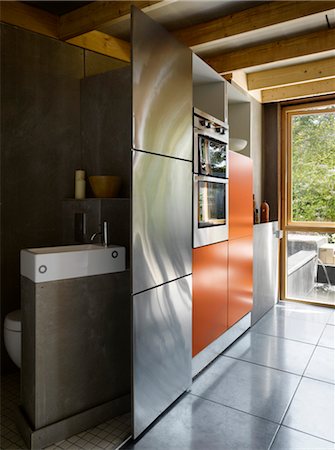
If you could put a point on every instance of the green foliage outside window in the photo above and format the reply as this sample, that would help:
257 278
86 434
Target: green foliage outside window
313 167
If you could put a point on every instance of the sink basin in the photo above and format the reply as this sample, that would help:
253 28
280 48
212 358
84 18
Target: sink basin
71 261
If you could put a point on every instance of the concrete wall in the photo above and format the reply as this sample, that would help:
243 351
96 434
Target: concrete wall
41 144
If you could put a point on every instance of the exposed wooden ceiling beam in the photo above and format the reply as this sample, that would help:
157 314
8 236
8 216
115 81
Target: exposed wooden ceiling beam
294 91
298 73
251 19
103 43
95 15
293 47
36 20
29 18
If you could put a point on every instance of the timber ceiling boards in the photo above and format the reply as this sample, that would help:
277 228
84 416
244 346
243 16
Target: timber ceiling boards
246 39
57 8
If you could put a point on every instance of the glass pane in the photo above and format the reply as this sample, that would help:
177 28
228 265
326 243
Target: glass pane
212 210
311 266
212 157
313 167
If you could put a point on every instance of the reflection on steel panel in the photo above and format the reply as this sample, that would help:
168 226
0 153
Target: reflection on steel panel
162 359
162 90
266 262
162 220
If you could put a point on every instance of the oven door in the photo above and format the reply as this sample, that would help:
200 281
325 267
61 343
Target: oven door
210 216
210 154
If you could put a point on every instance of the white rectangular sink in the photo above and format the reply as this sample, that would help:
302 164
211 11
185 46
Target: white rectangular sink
71 261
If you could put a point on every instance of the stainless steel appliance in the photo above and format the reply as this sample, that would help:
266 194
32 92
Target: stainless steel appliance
210 181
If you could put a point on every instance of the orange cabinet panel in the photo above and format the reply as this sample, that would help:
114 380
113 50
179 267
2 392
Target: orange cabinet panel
240 196
210 294
240 295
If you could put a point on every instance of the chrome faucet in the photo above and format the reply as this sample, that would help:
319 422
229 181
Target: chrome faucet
104 234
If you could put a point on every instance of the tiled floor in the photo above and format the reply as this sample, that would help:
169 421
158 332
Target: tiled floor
274 388
108 435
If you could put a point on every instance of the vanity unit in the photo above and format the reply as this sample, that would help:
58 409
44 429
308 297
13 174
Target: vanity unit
76 345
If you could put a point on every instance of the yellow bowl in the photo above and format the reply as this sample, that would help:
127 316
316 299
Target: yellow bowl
104 186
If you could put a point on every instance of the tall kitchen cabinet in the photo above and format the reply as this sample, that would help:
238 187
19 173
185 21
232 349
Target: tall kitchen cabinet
240 243
161 220
210 294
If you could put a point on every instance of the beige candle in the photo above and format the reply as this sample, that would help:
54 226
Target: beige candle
80 175
80 188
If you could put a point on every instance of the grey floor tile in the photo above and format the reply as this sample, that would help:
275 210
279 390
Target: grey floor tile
331 319
285 327
322 365
288 439
271 351
302 311
254 389
328 337
312 409
197 424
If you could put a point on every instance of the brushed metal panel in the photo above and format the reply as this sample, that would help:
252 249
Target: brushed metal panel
162 90
162 220
162 353
266 264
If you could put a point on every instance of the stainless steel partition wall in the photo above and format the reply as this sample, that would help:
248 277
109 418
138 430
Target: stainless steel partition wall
161 220
266 269
162 90
162 348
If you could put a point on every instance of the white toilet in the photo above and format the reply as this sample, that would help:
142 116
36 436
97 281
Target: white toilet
12 335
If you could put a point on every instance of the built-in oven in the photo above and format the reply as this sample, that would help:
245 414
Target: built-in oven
210 224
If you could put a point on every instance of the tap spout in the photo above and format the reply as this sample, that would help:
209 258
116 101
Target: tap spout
103 233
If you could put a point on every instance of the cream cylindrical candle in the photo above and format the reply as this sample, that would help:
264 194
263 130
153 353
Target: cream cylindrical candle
80 175
80 187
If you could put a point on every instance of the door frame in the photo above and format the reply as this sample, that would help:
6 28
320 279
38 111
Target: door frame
284 182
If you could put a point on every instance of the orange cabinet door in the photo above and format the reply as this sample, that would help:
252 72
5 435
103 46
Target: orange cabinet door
240 295
240 204
210 294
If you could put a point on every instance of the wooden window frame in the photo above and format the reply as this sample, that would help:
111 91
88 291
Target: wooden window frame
285 184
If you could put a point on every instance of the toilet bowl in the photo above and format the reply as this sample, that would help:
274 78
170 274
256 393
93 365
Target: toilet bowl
12 336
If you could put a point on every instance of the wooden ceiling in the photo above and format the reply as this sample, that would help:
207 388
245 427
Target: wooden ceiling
278 50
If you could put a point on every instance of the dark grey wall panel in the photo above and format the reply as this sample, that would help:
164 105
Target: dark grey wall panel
271 127
162 220
77 346
162 90
162 348
40 145
106 125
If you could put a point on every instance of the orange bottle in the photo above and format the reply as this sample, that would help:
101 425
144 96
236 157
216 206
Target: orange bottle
265 212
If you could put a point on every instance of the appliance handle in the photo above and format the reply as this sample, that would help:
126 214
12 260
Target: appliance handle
223 138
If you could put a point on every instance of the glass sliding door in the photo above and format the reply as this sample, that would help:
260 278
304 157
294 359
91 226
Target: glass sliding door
308 203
